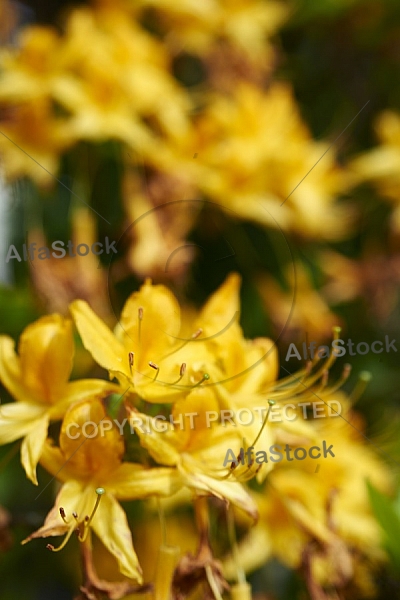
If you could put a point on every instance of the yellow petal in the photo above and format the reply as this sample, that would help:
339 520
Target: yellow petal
81 390
32 447
160 323
72 497
55 462
46 351
161 445
98 339
225 490
131 482
18 419
90 441
253 552
224 304
111 526
10 371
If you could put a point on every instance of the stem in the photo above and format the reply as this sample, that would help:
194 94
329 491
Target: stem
166 563
241 578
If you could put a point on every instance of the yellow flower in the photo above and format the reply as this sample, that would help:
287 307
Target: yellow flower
381 165
42 137
253 152
27 82
90 466
28 73
120 77
246 23
330 506
38 379
146 350
196 452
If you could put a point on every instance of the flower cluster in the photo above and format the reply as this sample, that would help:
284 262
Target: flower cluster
156 361
120 73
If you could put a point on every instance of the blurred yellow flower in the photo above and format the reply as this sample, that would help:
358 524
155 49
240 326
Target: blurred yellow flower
253 152
247 23
85 464
381 165
38 379
32 142
300 312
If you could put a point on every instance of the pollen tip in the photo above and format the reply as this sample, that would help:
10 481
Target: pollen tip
271 402
100 491
365 376
346 370
50 547
336 329
206 376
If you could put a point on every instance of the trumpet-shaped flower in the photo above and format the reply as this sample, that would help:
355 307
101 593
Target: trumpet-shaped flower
196 452
146 350
90 467
38 379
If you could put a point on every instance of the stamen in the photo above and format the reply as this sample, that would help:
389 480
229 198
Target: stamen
363 379
64 542
154 366
182 371
131 357
99 491
63 516
194 336
271 404
81 528
140 319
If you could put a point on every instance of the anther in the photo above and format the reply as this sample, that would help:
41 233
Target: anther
325 376
63 516
140 319
156 367
182 371
346 371
80 528
197 333
131 357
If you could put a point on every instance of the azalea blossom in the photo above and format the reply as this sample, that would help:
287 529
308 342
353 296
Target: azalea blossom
91 468
37 377
146 351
